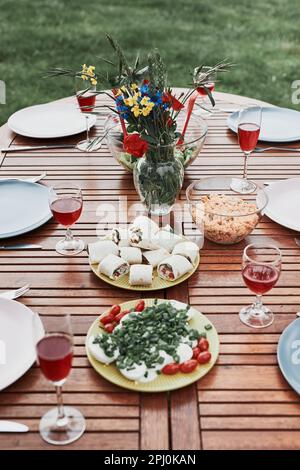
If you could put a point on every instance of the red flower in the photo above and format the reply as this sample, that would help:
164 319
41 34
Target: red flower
134 145
174 102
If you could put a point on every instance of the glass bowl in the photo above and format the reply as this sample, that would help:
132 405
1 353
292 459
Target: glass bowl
222 215
194 140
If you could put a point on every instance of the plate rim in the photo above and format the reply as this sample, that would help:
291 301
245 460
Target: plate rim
36 224
270 214
30 361
279 346
92 117
142 387
273 108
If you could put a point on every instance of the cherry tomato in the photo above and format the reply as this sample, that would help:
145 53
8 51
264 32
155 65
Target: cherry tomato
109 328
119 317
115 309
196 352
171 369
188 366
204 357
140 306
203 344
171 275
107 319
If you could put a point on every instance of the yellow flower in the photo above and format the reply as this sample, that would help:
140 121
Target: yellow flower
84 77
93 81
145 101
131 101
146 110
136 110
118 92
133 86
90 71
124 89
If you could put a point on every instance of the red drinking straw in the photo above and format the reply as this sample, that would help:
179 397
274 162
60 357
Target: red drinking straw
190 108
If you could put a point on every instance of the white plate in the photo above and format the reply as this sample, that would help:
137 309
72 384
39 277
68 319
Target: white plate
284 203
24 206
17 350
278 124
49 121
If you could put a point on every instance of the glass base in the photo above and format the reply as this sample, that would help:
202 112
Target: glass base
88 145
256 316
70 247
157 209
242 186
69 430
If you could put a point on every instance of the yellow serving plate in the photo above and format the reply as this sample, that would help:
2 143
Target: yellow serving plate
163 383
157 283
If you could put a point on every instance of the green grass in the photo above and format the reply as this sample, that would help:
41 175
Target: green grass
260 37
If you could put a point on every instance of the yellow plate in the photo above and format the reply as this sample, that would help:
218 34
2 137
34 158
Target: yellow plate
163 383
157 283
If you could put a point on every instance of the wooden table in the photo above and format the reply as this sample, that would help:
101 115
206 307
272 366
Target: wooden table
244 402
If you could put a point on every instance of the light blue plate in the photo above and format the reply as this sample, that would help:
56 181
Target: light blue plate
288 354
24 206
278 124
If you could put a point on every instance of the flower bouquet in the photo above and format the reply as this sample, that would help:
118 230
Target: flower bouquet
151 131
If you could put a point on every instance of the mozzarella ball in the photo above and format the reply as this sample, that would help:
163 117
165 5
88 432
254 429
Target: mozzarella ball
184 352
135 372
98 352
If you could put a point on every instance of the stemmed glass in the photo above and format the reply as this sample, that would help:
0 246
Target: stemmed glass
65 200
261 268
63 424
205 104
86 99
249 124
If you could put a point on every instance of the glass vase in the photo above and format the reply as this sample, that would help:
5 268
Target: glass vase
158 179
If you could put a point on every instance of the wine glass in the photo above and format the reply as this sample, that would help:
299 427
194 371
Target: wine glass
205 103
63 424
261 268
86 98
65 200
249 124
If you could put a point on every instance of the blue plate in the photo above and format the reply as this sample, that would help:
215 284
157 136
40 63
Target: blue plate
288 354
24 206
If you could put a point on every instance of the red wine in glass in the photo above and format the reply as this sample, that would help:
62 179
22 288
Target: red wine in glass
55 356
202 91
261 266
248 136
86 103
65 202
260 278
66 211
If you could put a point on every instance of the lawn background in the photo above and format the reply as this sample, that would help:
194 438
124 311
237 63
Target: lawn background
261 37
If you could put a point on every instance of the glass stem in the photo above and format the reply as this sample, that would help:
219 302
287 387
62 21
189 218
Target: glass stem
245 172
69 235
87 128
61 418
258 302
